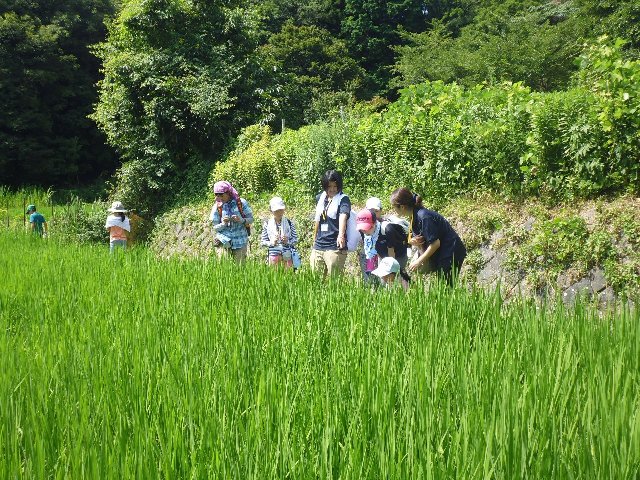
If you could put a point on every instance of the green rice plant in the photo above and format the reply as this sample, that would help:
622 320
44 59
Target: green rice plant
126 366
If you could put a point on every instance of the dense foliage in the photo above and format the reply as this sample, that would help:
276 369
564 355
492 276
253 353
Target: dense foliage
532 41
302 65
47 77
176 87
182 78
443 140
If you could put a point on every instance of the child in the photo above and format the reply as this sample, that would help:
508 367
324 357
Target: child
118 226
37 221
279 236
387 271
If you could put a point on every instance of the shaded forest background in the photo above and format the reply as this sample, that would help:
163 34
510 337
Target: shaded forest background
158 90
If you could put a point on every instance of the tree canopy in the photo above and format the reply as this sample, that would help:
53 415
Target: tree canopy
47 77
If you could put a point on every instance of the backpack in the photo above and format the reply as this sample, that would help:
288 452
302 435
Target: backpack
241 209
392 219
353 235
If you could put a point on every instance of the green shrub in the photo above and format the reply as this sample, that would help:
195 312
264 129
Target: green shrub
250 166
443 140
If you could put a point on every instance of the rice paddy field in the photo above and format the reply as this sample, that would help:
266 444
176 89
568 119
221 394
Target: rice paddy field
127 366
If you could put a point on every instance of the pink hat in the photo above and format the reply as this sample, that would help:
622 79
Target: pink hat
365 219
225 187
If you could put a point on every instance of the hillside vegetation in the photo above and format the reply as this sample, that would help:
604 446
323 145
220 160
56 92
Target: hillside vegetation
443 140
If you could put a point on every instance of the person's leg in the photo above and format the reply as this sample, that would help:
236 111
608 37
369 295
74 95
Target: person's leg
273 259
317 263
335 261
239 254
362 258
114 244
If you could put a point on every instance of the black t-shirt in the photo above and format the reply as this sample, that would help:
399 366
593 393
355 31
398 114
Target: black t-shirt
327 237
433 226
392 237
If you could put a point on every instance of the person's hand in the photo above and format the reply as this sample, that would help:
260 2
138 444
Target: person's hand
285 239
236 218
414 266
273 243
342 241
417 240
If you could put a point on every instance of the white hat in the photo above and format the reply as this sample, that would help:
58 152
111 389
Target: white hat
386 266
276 203
117 207
374 202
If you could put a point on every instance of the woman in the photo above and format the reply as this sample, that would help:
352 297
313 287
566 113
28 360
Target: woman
231 217
118 226
329 251
382 240
279 236
440 249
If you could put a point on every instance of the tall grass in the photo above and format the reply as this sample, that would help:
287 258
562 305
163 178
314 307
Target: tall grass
124 366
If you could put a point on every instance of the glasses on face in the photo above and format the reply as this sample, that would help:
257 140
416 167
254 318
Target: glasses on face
219 194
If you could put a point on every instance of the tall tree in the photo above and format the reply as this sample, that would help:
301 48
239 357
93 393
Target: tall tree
177 85
47 77
371 30
302 64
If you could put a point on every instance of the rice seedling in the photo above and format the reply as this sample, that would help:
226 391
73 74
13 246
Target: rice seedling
125 366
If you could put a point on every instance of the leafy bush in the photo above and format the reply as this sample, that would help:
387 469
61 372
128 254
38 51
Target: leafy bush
250 166
443 140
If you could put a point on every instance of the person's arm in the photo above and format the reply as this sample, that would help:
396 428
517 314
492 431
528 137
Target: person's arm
264 236
293 238
46 228
342 231
315 233
248 214
344 210
215 218
422 259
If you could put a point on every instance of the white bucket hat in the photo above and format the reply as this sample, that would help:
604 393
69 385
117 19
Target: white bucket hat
276 203
386 266
374 202
117 207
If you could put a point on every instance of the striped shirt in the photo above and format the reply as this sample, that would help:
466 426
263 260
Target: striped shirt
279 248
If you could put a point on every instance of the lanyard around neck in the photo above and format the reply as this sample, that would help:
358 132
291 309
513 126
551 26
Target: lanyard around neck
326 207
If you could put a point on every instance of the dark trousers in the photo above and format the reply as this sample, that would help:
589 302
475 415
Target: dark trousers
449 270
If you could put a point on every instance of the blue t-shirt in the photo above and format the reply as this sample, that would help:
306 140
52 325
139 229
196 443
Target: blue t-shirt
38 220
433 226
327 237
